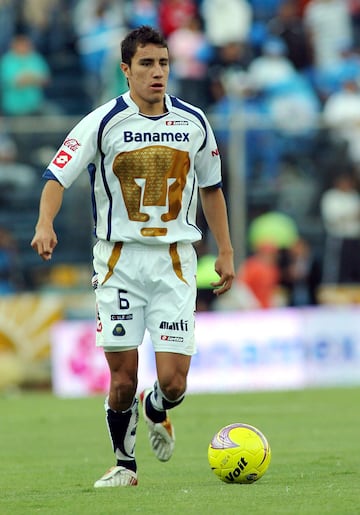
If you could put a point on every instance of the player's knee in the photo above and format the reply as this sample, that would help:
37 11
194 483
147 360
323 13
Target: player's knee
174 388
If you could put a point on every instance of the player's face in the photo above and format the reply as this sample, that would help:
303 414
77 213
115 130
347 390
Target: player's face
147 77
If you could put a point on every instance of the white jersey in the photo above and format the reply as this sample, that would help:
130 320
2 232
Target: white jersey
144 171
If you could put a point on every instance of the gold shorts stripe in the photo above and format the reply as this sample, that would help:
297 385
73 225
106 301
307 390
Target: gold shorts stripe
175 258
114 258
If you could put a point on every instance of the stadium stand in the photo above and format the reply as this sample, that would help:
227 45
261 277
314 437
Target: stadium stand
299 178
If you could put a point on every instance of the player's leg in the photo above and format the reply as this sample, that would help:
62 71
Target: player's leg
121 408
120 329
170 320
172 370
167 393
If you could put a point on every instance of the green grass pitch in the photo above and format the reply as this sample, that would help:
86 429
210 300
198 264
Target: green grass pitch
52 450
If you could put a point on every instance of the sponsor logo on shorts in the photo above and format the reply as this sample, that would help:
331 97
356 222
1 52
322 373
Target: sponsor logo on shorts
178 339
121 317
98 321
95 281
181 325
62 159
119 330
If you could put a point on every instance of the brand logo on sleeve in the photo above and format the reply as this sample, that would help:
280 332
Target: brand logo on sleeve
62 159
72 144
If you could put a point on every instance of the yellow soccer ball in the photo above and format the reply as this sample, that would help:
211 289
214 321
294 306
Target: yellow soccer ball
239 453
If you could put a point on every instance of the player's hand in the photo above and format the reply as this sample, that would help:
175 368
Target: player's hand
224 267
44 243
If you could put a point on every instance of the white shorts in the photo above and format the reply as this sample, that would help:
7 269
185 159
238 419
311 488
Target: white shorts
141 287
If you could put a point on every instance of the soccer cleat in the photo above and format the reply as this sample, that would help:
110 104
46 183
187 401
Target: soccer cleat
161 434
117 476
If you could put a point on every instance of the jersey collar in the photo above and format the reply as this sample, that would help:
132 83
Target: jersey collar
129 101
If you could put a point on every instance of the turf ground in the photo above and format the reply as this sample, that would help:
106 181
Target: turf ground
52 450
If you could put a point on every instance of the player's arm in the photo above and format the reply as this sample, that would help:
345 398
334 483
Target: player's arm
45 239
214 207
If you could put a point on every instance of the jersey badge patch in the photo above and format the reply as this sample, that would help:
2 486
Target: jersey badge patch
119 330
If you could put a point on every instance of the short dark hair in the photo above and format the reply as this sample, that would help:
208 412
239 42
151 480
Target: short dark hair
140 36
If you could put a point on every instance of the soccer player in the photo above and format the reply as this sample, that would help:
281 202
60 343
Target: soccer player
147 154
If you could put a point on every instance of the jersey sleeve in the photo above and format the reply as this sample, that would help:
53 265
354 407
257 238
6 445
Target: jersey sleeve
78 150
207 160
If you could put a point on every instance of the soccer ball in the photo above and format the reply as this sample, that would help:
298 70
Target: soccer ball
239 453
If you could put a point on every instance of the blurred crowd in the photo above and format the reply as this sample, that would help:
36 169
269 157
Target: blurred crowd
286 65
279 50
282 63
289 69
